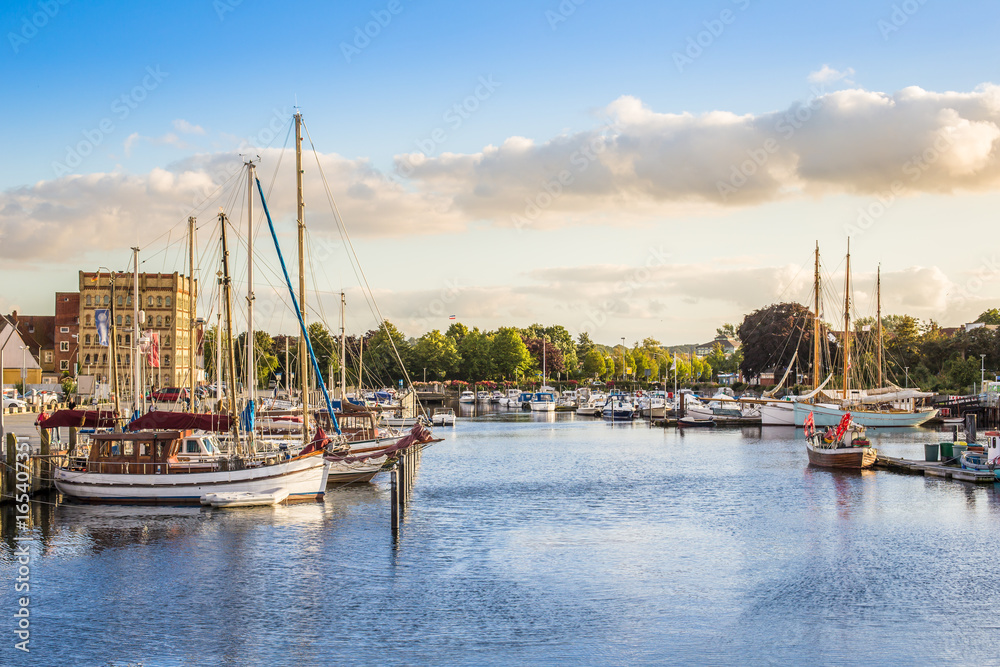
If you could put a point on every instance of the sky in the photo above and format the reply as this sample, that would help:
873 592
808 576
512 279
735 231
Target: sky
628 169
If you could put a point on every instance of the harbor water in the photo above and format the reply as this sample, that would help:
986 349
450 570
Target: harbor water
534 538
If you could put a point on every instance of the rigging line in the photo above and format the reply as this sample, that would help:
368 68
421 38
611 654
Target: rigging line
381 319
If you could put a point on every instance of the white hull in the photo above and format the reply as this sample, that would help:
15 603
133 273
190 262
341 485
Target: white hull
828 415
303 478
444 421
779 413
543 406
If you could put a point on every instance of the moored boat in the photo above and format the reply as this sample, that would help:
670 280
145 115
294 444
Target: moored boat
833 449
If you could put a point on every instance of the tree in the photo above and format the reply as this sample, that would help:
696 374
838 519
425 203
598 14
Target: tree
476 362
770 335
593 363
324 346
991 316
727 330
380 360
510 355
552 357
583 345
456 332
435 352
264 360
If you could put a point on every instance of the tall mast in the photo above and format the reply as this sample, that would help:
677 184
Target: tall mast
300 213
218 344
250 343
227 299
191 313
136 367
343 353
878 323
816 348
847 323
113 344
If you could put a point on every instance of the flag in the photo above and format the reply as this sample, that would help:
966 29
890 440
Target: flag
93 279
452 317
154 349
102 319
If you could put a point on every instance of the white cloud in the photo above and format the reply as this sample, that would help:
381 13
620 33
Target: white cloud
185 127
827 74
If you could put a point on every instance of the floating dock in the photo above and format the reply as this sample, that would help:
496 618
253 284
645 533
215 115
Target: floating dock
934 469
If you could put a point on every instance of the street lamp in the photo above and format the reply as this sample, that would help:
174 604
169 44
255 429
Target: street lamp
425 376
623 359
982 371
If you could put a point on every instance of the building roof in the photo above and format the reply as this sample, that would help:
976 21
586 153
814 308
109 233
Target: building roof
10 348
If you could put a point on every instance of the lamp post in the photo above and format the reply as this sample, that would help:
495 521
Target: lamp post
982 371
623 359
906 382
24 370
425 376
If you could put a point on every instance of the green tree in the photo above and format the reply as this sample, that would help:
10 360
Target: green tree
325 347
265 361
456 332
583 345
727 330
435 352
476 360
593 363
381 363
765 334
991 316
510 355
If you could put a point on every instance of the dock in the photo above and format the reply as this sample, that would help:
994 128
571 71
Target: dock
934 469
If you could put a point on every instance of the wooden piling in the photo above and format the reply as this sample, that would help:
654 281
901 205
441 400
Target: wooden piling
11 476
394 499
45 464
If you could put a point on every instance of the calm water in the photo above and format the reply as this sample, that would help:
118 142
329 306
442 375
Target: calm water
537 539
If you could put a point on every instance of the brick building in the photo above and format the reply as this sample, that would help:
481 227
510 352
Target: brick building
164 300
65 331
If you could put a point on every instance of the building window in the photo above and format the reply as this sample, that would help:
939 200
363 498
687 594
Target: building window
48 357
167 320
107 300
86 339
168 302
128 320
121 302
63 329
166 360
159 302
166 341
150 302
159 321
104 358
118 338
64 365
64 346
118 320
89 301
128 339
88 320
86 360
128 301
128 359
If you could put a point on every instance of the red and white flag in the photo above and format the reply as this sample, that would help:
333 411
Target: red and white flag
154 349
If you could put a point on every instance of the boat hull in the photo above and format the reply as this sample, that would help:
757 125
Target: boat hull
827 415
779 413
305 478
851 458
543 406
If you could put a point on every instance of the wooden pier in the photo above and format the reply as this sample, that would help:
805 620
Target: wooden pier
402 477
934 469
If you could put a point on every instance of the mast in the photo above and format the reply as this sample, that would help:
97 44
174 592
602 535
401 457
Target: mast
250 345
230 355
136 367
191 313
218 344
300 214
113 344
847 323
361 366
343 353
878 323
816 327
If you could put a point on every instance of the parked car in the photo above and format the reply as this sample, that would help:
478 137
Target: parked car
170 394
43 397
13 403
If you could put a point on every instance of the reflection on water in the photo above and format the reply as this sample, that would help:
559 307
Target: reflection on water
537 538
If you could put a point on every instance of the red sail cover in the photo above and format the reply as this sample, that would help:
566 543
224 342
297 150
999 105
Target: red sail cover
165 420
79 419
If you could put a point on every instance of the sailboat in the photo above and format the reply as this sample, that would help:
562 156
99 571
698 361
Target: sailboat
869 408
832 449
173 465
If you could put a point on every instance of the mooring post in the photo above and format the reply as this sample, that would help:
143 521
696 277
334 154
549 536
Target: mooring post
11 475
45 469
394 499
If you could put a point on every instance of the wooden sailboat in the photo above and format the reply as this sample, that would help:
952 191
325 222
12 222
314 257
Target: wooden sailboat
833 449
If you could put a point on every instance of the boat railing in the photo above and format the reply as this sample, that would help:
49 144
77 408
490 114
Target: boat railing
134 468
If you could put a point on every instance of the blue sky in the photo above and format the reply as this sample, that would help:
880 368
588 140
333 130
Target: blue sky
153 88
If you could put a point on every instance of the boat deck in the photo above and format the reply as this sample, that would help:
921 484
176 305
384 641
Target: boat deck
934 469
